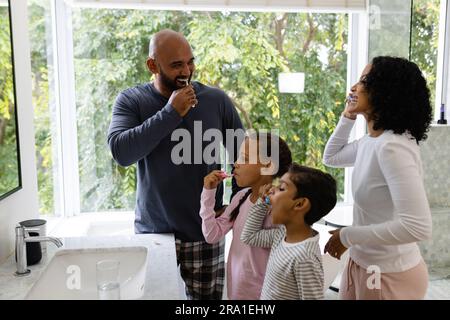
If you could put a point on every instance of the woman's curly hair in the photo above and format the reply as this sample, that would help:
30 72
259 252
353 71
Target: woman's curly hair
399 97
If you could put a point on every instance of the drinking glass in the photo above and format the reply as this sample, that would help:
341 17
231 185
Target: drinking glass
108 285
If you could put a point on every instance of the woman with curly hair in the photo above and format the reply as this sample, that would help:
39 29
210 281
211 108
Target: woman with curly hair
390 211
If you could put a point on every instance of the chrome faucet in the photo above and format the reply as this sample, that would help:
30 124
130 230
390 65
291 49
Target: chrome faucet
22 237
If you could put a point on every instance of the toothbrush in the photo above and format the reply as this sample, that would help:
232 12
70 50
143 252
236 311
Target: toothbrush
186 83
225 175
267 200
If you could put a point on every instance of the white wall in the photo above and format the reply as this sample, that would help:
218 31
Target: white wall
22 204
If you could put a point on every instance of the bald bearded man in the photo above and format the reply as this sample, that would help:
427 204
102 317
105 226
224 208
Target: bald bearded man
168 193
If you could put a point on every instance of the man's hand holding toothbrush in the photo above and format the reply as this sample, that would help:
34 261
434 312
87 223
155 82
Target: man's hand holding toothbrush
182 100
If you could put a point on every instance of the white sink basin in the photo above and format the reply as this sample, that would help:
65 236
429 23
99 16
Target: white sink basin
71 274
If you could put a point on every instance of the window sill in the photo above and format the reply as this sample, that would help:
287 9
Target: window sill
92 224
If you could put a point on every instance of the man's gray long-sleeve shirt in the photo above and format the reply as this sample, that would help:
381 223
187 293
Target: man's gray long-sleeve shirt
168 194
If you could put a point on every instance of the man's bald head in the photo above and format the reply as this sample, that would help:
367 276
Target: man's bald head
165 39
170 60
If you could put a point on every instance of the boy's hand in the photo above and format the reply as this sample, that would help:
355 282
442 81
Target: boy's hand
212 180
264 191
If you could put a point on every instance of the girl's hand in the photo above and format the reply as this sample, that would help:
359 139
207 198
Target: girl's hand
350 106
264 191
212 180
334 245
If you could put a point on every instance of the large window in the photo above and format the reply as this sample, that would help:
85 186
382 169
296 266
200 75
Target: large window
102 51
240 52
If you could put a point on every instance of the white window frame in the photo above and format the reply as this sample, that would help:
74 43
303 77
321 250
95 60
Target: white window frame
443 61
66 108
358 45
334 6
66 117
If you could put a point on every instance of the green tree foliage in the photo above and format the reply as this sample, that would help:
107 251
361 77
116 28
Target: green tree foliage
425 40
239 52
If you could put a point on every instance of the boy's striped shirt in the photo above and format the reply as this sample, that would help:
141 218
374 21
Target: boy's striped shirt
294 270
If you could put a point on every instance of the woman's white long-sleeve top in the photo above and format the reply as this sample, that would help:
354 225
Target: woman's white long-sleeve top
391 211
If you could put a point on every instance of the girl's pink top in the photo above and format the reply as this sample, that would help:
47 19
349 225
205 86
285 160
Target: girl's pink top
246 265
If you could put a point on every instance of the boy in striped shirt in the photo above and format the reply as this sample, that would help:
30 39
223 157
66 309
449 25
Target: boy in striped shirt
294 271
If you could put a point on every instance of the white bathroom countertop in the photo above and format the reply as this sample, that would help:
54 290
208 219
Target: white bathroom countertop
161 280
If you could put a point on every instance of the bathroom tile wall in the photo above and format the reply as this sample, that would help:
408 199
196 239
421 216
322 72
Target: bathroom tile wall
435 153
436 251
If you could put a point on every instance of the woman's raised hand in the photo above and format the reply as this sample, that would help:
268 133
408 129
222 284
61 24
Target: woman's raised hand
350 106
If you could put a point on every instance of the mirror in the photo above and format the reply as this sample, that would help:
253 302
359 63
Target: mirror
10 176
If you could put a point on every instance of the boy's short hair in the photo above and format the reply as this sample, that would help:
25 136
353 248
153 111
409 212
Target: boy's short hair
319 187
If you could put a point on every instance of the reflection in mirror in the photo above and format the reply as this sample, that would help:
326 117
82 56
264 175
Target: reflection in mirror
10 177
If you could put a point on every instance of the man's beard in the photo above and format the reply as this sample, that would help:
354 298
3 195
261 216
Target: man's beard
170 84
